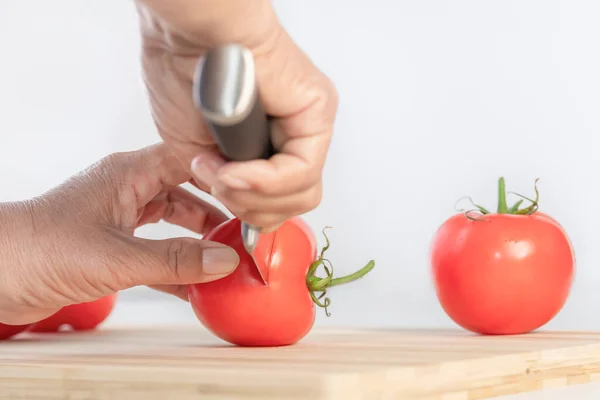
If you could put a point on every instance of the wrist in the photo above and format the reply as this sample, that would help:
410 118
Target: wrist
24 247
17 220
206 23
18 226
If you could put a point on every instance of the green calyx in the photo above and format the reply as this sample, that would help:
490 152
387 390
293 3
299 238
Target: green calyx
320 285
503 207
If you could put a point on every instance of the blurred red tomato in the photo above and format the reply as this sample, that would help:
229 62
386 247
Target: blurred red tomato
8 331
80 317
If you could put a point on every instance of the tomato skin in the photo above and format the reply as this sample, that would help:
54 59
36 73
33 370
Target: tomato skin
81 317
240 309
8 331
504 274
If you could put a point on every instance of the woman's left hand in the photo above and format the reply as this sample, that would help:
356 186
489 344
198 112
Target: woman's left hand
76 243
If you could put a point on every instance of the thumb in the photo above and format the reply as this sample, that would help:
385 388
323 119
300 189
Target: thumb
177 261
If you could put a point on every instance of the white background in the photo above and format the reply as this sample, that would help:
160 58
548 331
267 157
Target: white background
438 99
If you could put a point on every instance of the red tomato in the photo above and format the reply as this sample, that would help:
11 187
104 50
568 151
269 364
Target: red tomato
241 309
80 317
508 272
8 331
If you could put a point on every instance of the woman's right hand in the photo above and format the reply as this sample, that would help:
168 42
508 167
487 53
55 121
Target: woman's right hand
175 34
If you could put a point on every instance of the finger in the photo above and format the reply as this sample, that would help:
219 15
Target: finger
190 212
180 207
161 165
295 168
238 201
205 166
147 171
140 177
178 261
154 211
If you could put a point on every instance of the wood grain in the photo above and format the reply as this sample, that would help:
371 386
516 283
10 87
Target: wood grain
188 363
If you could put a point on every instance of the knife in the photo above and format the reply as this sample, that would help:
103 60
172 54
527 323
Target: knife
226 93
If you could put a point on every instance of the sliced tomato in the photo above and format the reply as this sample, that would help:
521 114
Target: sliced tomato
244 310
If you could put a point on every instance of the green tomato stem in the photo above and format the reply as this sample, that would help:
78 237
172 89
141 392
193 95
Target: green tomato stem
316 284
502 206
515 207
352 277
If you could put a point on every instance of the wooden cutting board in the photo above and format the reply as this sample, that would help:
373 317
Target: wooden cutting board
189 363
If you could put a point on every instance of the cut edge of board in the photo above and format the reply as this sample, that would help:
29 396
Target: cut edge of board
529 371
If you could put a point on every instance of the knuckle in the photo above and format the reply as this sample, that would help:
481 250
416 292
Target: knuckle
112 169
333 94
313 198
116 160
327 99
132 166
176 253
138 179
311 176
266 188
156 157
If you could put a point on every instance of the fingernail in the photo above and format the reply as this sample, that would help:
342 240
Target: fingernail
234 182
204 170
219 260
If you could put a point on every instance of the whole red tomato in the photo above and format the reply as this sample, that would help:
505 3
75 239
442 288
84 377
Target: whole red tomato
246 310
8 331
508 272
80 317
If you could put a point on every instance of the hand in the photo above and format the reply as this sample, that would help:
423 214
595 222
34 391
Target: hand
76 243
175 33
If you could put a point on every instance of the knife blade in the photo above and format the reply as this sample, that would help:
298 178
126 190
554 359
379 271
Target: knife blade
226 92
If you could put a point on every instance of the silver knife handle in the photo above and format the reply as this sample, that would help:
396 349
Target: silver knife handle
244 139
226 92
